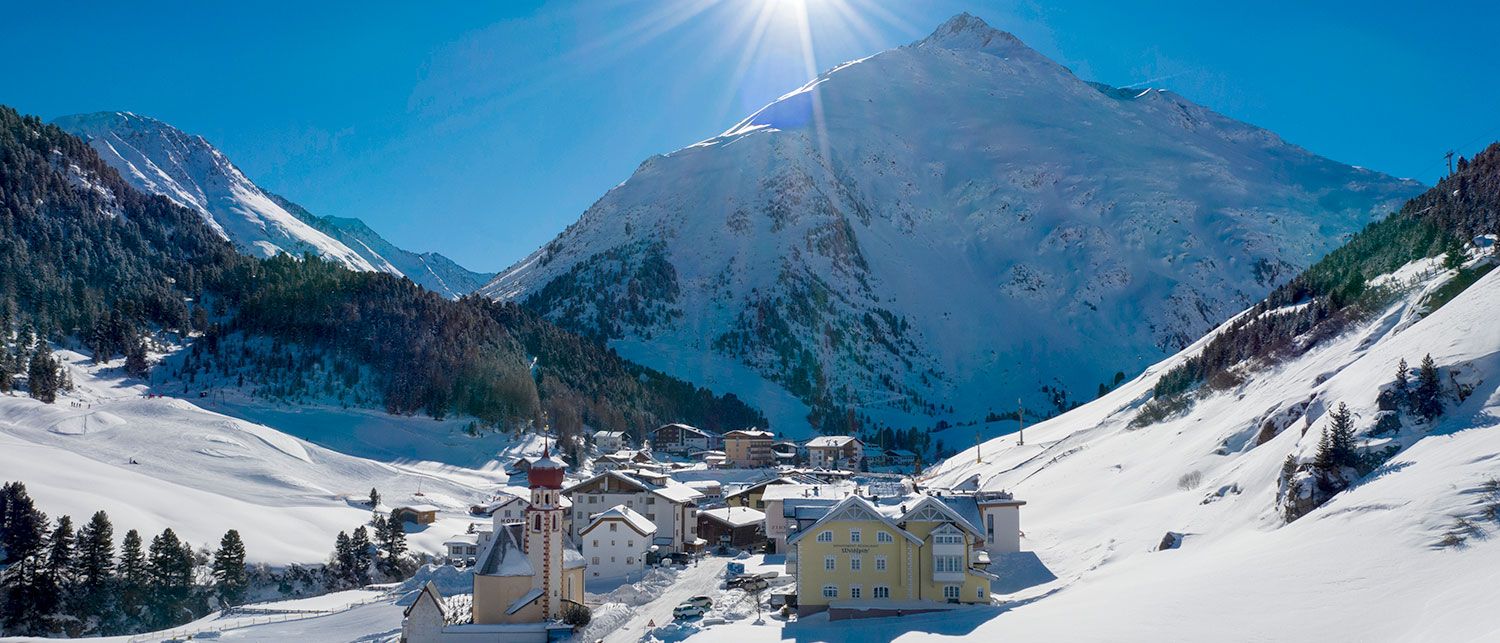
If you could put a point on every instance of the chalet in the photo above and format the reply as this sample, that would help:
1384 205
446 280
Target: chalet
900 457
749 448
835 452
681 439
670 505
712 490
739 527
422 514
623 459
616 541
610 441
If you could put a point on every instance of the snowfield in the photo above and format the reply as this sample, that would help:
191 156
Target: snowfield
202 472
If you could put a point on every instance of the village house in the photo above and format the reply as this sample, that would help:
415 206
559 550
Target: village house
889 556
786 453
670 505
739 527
523 464
749 448
616 541
835 452
509 507
783 502
682 439
610 441
712 491
1000 514
753 495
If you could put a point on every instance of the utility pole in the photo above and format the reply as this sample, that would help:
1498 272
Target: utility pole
1020 423
1449 156
978 457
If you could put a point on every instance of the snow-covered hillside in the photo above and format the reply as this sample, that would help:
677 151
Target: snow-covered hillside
195 466
935 230
160 159
1387 559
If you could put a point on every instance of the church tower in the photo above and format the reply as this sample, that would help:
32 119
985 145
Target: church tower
544 532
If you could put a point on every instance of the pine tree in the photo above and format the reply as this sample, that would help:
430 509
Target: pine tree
229 568
136 364
28 596
133 578
1428 398
374 498
169 568
25 526
42 379
359 547
395 536
96 552
60 551
95 570
343 561
1403 384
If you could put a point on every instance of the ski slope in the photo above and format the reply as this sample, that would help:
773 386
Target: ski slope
157 462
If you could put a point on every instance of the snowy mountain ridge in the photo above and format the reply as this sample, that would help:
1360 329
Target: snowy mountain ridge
931 232
160 159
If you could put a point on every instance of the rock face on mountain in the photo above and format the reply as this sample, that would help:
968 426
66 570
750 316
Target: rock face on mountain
160 159
934 231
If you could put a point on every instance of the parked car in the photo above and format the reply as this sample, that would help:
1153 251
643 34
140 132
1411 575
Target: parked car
687 610
753 584
701 601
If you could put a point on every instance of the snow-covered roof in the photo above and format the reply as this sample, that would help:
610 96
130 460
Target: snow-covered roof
504 556
734 516
421 508
854 506
429 594
785 491
621 513
749 433
524 600
572 559
830 441
609 434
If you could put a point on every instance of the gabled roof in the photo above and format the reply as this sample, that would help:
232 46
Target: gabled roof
734 516
621 513
609 434
831 441
431 593
761 485
504 556
853 508
672 491
749 433
682 427
929 508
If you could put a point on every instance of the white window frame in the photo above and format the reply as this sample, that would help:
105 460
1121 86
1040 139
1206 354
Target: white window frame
825 536
855 592
855 564
880 563
884 537
951 592
881 591
979 593
830 591
854 535
830 563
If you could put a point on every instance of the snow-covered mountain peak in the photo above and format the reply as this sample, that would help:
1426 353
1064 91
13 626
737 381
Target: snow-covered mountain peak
930 232
967 31
161 159
158 158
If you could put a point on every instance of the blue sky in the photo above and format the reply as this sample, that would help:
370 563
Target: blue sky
480 130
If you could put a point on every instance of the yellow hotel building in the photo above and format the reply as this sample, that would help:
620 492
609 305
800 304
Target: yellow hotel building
902 556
